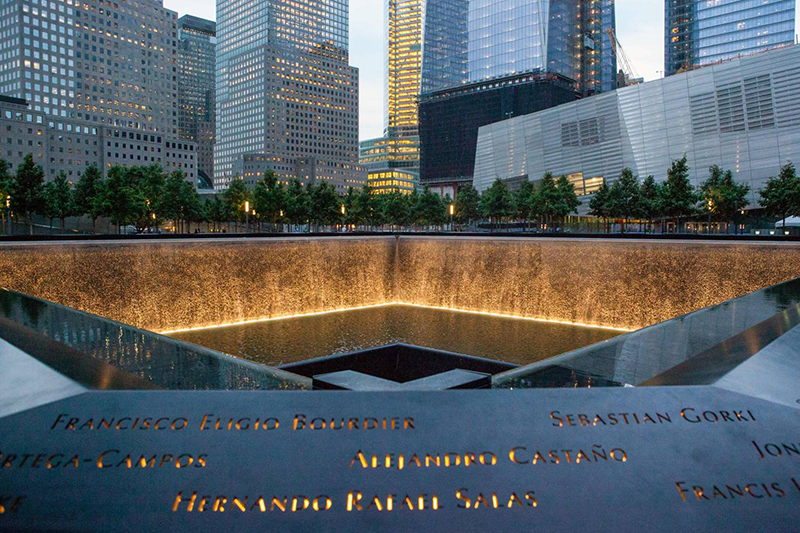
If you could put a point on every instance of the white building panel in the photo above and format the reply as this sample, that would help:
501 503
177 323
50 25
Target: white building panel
743 115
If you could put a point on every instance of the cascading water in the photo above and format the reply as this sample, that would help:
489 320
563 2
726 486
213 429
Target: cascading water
171 285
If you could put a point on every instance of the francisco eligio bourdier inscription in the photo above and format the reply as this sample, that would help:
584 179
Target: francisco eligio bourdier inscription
680 458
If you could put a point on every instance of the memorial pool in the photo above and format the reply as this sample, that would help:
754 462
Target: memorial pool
278 342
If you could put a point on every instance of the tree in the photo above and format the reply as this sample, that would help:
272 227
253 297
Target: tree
58 199
121 199
270 198
600 204
235 197
368 207
524 201
151 181
86 192
567 199
723 198
325 204
6 180
351 212
781 195
624 197
27 190
395 208
649 199
548 197
376 213
297 203
169 204
215 212
191 208
430 209
733 199
497 202
468 204
413 206
678 197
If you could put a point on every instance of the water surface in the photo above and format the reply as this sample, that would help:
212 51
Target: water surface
280 342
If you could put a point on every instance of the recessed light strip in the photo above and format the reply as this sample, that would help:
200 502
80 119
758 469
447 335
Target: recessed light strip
389 304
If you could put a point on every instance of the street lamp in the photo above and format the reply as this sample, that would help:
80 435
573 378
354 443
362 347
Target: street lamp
246 215
452 212
8 213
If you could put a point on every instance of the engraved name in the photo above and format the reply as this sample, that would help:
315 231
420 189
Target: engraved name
771 449
107 459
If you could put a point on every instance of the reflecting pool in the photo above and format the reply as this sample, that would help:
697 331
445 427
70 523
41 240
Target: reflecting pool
280 342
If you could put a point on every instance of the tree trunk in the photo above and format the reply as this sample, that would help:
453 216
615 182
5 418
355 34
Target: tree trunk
30 223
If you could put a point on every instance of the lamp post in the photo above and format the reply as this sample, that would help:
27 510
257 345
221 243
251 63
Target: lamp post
246 216
452 212
8 213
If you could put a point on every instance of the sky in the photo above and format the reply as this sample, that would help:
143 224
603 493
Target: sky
640 30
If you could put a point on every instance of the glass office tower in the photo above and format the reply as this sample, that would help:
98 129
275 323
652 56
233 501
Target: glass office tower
444 44
287 99
196 120
700 32
470 41
399 146
403 65
515 57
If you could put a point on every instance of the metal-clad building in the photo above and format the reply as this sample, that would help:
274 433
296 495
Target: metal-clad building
743 115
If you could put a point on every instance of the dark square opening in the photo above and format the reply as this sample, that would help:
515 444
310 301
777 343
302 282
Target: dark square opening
398 362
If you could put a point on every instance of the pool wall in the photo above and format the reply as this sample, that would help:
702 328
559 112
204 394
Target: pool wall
169 285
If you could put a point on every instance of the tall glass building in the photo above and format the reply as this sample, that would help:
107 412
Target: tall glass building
444 48
399 146
700 32
403 65
287 99
196 119
489 60
470 41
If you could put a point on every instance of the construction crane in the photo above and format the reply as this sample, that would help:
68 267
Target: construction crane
616 48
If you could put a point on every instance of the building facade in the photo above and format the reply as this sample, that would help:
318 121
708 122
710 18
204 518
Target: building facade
699 32
98 79
399 146
519 57
743 115
450 119
445 37
196 91
472 41
285 91
393 180
390 152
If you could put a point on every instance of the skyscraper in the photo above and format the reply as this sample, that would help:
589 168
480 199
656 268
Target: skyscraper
444 47
399 146
699 32
95 81
196 119
514 57
286 96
